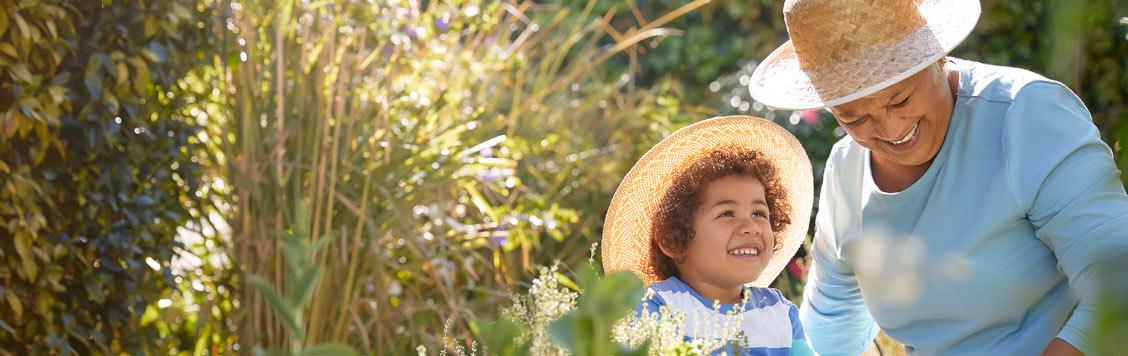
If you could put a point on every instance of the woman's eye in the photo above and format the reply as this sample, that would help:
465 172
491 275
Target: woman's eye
851 121
900 104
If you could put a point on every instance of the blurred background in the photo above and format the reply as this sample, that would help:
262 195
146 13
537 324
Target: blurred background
214 176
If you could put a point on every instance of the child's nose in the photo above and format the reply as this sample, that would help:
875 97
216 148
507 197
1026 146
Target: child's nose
748 228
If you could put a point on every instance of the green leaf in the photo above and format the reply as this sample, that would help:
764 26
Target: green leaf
586 330
564 331
141 80
287 10
58 93
287 313
304 287
121 73
10 50
14 302
93 80
499 337
25 31
20 71
23 245
332 349
272 352
3 25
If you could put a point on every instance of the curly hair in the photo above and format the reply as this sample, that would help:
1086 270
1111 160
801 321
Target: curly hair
672 223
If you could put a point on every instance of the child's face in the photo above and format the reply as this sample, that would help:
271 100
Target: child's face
733 238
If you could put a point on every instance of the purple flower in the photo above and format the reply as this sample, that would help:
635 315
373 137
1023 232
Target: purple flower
442 25
410 32
492 175
498 238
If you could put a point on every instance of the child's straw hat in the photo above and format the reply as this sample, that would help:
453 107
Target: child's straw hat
842 50
626 231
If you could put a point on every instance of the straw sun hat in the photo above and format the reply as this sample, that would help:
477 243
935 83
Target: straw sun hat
626 231
842 50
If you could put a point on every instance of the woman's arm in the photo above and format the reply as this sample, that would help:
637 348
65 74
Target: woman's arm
1064 176
1061 348
833 314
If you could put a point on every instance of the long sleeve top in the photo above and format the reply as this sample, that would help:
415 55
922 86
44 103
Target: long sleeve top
993 251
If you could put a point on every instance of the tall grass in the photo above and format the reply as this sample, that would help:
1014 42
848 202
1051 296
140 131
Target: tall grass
447 148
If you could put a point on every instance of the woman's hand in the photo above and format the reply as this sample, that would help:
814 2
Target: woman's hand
1059 347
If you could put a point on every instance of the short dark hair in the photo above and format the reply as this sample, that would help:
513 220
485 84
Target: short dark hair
672 223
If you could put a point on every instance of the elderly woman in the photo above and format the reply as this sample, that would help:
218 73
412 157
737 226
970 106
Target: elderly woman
970 206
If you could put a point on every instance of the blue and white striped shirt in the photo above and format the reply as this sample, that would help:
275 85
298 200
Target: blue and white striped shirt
769 322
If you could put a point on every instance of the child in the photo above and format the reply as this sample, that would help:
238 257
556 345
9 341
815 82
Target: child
708 218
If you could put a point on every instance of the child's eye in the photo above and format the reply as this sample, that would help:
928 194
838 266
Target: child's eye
760 214
726 213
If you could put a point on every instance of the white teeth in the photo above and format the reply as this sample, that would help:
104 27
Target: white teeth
907 136
745 251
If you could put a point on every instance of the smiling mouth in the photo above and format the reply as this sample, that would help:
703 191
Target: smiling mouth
908 137
751 251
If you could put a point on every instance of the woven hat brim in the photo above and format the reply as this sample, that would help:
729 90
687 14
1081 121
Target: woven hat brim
626 230
779 82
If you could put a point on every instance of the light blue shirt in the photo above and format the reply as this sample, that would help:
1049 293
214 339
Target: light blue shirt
993 251
769 322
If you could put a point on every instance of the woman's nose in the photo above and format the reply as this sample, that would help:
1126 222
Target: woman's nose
890 128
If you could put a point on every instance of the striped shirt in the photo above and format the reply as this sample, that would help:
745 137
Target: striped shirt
769 323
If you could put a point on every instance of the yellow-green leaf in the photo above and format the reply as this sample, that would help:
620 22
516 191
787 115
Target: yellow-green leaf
52 29
44 300
3 25
142 78
10 50
57 93
21 72
112 102
15 303
152 57
27 257
122 73
22 24
150 26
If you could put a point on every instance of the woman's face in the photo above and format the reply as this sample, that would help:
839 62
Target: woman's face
733 238
905 123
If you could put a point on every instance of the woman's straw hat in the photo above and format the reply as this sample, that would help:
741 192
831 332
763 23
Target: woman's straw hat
842 50
626 231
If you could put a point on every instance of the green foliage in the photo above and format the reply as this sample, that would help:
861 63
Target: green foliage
444 148
95 169
1079 43
300 280
1111 330
583 328
501 337
586 330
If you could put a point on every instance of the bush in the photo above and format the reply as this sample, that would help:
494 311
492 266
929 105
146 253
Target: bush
446 148
95 169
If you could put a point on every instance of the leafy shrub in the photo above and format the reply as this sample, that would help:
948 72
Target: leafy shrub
95 169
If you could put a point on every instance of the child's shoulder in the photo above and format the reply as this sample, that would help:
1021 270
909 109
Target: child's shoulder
767 296
672 284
